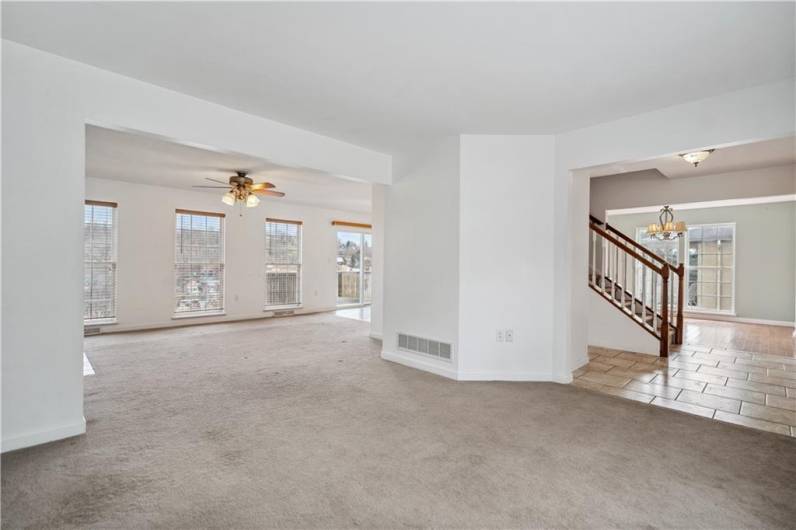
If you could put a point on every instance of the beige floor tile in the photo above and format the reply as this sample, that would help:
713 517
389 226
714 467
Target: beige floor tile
781 374
597 366
638 357
668 392
734 374
718 356
687 384
710 401
775 358
777 390
781 402
738 354
627 394
604 379
762 412
683 407
743 367
684 365
759 364
695 348
791 392
698 376
616 361
637 375
736 393
586 384
704 359
580 371
751 422
757 378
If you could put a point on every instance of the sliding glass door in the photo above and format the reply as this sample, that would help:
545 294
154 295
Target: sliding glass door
354 268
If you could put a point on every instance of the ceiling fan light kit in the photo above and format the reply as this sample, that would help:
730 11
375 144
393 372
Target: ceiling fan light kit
243 190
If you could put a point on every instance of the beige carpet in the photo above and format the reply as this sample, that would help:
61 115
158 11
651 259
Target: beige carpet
297 423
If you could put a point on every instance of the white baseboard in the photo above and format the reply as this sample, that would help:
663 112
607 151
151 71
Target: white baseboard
376 336
211 319
502 375
428 365
740 320
419 363
41 437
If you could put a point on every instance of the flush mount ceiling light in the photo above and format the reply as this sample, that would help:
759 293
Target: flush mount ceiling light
697 156
666 229
243 190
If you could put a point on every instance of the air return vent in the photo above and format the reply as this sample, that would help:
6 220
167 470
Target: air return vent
91 330
441 350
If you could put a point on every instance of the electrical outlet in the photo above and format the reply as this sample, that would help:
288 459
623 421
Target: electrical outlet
499 336
509 334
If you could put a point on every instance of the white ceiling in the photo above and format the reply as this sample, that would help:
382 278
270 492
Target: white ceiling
755 155
146 159
391 76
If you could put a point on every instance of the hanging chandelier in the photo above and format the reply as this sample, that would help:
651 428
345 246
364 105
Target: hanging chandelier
666 228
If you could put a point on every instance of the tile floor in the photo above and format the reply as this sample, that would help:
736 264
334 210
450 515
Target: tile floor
756 390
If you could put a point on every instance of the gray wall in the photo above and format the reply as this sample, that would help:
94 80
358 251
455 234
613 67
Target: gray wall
651 188
765 255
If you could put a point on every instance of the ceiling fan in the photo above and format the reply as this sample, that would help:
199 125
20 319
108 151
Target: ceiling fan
243 189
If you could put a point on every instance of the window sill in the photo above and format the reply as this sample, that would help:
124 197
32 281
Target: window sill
198 314
100 322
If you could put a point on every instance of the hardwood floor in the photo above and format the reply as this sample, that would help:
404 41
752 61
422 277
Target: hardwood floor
770 340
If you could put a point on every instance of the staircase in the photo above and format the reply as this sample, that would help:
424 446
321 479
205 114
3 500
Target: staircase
637 282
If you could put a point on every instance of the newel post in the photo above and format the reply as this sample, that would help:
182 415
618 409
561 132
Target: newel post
680 289
664 311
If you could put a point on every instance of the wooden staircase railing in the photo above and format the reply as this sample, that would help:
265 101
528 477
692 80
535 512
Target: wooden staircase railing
649 291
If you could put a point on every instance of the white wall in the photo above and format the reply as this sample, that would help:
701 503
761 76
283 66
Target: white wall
377 276
765 254
610 328
650 188
421 257
47 101
505 269
146 228
754 114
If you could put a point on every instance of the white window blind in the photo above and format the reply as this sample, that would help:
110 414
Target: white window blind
99 261
282 263
199 262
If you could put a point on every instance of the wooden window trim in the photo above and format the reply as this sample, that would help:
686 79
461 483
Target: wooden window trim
349 223
101 203
283 221
198 212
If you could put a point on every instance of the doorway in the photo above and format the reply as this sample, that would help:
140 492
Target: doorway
354 268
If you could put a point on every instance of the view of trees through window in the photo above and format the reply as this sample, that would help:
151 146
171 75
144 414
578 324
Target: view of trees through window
99 262
354 267
199 263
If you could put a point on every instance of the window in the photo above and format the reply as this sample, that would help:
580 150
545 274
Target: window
354 267
282 263
99 262
711 268
199 263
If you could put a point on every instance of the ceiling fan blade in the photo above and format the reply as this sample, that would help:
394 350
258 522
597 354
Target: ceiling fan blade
269 193
214 187
216 180
262 186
